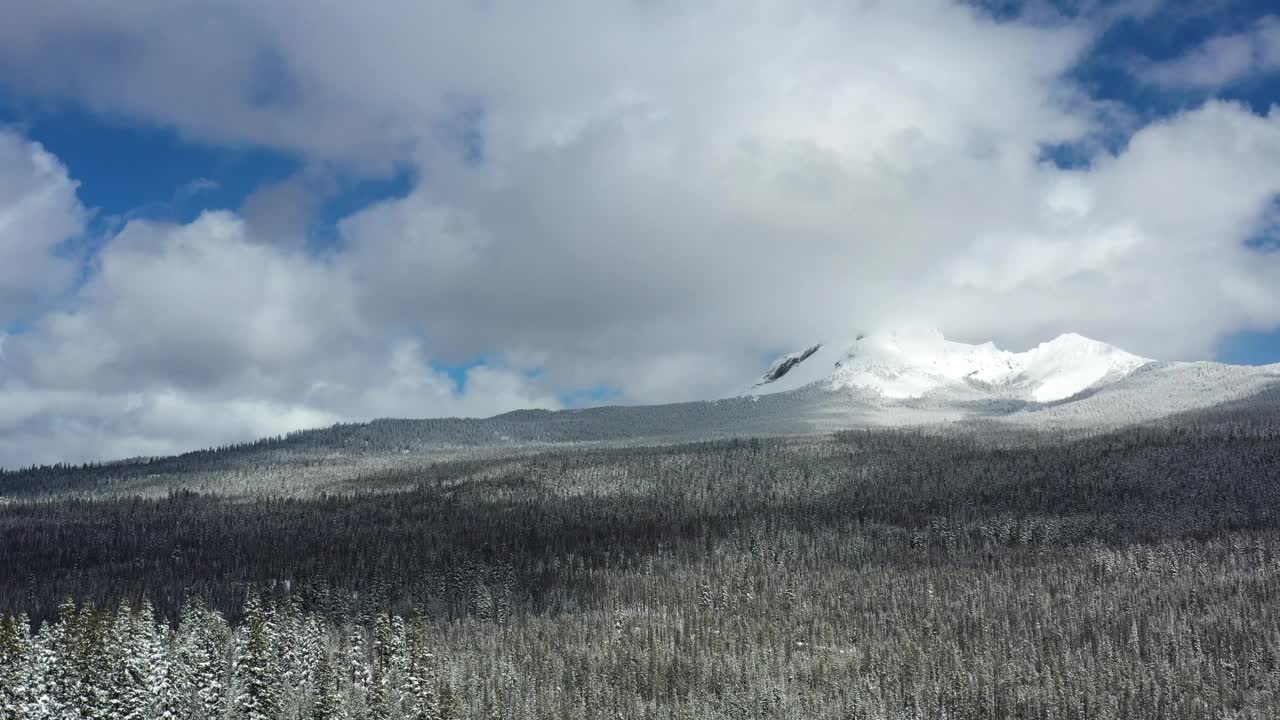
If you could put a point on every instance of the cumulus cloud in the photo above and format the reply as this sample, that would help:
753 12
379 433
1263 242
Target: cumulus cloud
190 335
47 424
38 212
197 302
342 82
645 196
1147 247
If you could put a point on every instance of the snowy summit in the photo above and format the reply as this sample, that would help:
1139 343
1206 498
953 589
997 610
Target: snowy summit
912 364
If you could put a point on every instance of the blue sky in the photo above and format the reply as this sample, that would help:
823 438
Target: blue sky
619 202
129 169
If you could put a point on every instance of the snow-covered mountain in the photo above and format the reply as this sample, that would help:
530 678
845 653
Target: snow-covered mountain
901 379
917 364
921 378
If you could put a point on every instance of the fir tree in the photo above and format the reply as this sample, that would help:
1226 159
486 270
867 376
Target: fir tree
423 681
358 674
327 704
14 640
258 679
39 678
95 663
128 696
205 645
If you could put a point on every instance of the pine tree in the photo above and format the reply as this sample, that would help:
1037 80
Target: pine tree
127 690
358 677
39 681
380 700
171 678
95 664
328 699
14 639
204 647
65 638
258 686
296 663
450 702
422 681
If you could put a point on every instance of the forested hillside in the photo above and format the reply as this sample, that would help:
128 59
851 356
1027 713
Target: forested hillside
866 575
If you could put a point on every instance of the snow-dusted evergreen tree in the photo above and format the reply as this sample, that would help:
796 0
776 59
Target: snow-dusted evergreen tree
39 681
358 675
380 691
128 691
171 678
450 701
422 680
204 653
327 701
258 676
94 662
301 637
65 637
108 665
389 666
185 675
14 645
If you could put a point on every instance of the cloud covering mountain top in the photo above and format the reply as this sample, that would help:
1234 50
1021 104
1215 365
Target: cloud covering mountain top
640 198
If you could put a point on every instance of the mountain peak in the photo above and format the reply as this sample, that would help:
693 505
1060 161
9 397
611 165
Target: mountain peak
784 364
913 363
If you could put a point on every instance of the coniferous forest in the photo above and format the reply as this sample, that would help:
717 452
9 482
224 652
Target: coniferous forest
870 574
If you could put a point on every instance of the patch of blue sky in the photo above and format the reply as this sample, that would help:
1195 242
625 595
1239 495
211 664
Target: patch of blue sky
351 196
766 358
1066 156
602 394
1250 347
128 170
1172 31
459 372
1111 69
1255 347
361 193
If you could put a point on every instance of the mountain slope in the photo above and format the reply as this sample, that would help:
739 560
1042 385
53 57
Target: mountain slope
1067 383
1070 383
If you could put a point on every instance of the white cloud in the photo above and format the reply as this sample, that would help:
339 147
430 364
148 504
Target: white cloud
666 192
47 425
190 335
38 212
200 302
362 86
1151 248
